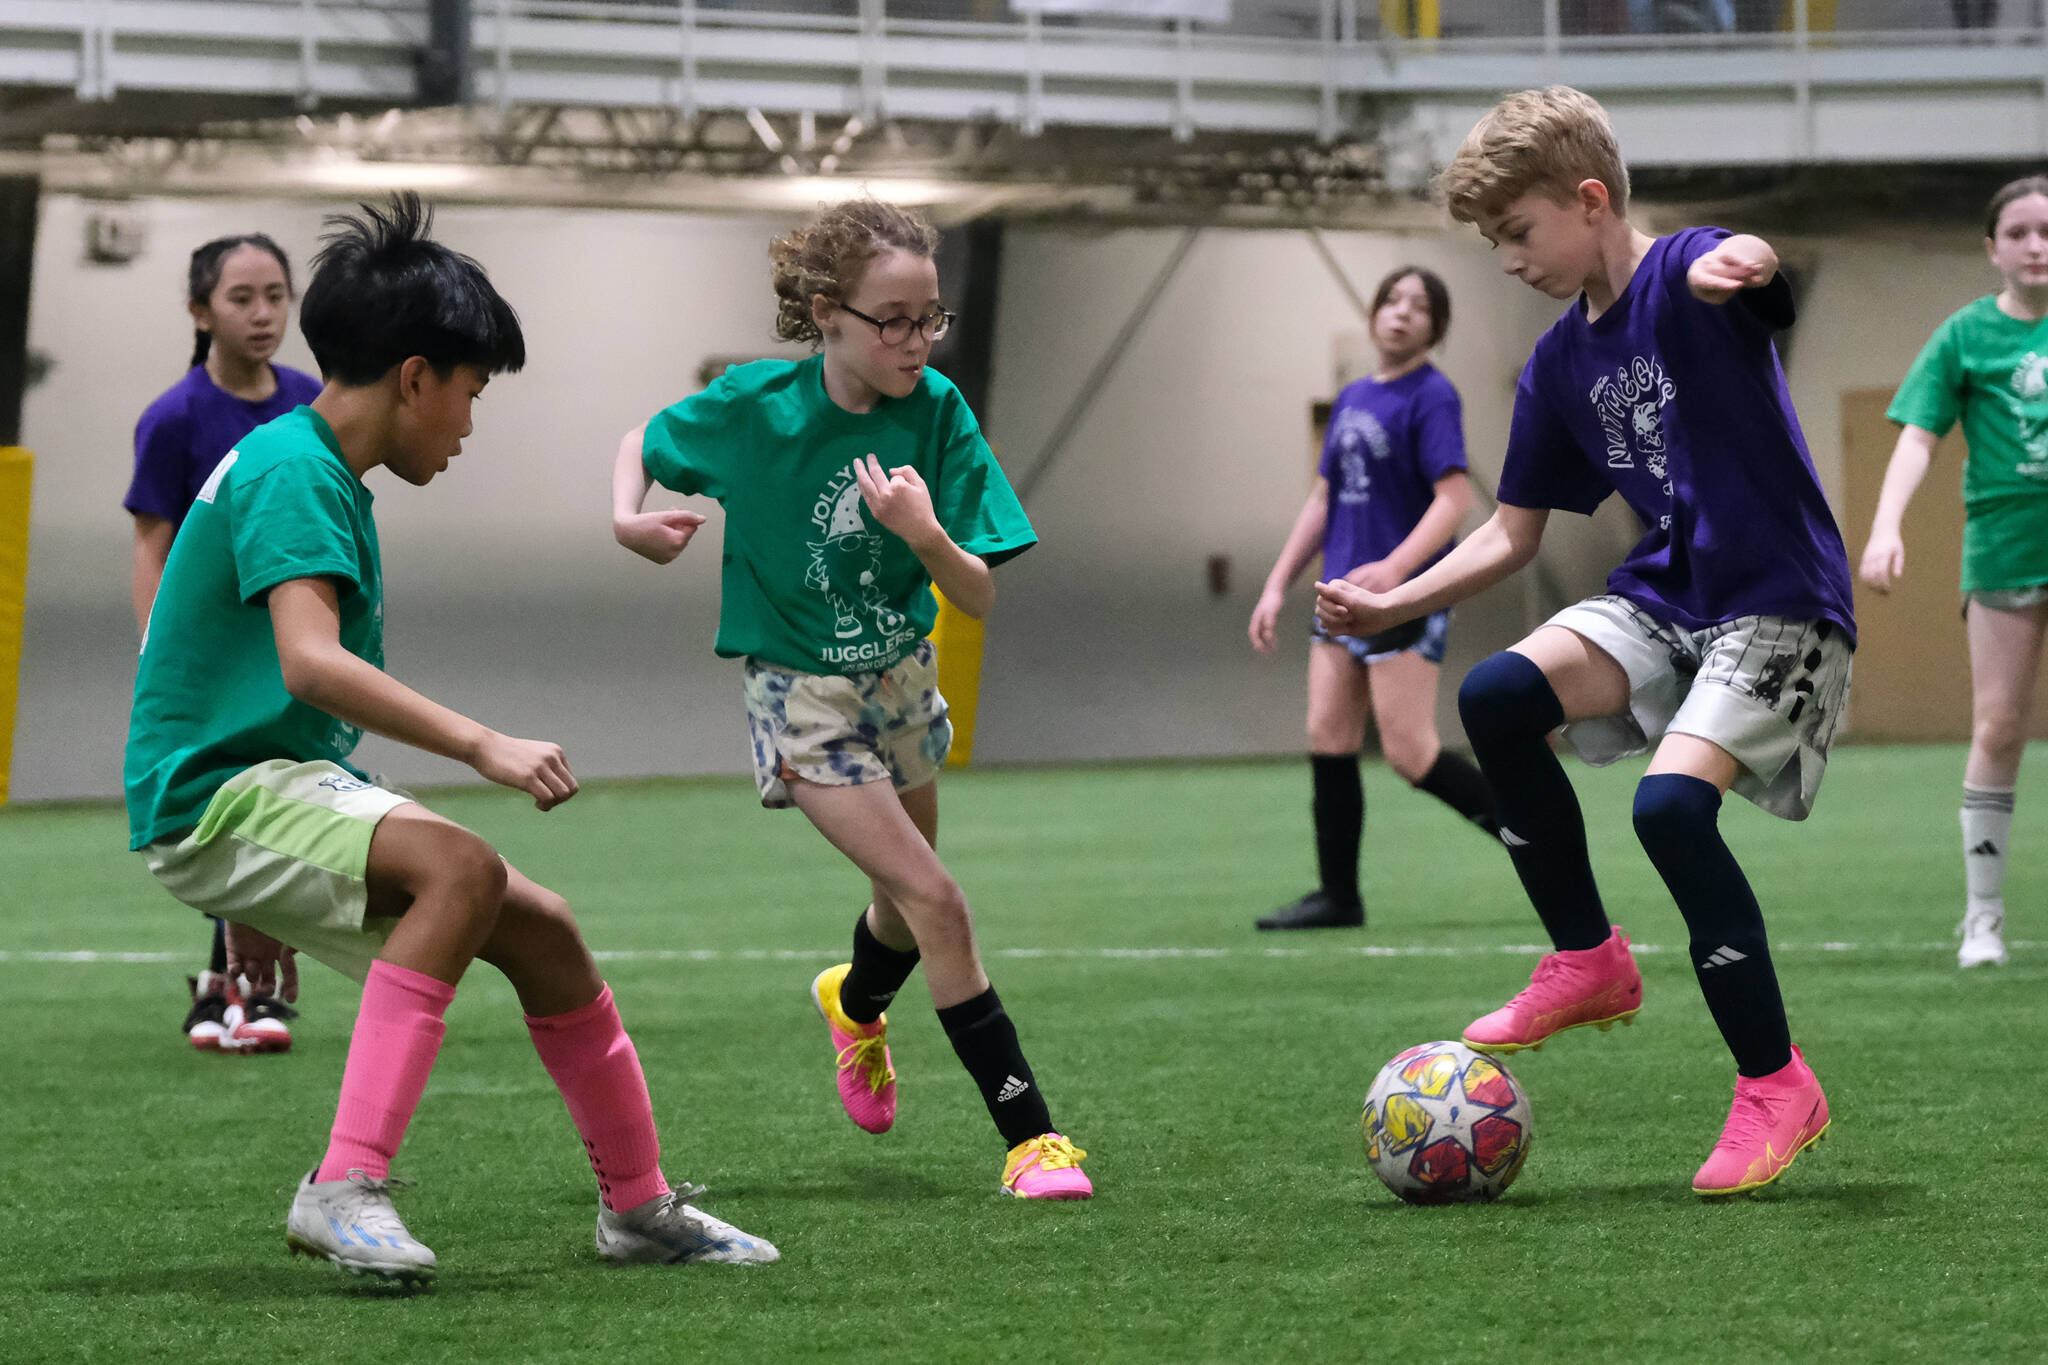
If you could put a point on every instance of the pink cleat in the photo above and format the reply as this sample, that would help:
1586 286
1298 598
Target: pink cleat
867 1080
1596 986
1773 1120
1047 1167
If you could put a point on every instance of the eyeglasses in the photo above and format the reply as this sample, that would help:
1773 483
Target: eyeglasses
897 330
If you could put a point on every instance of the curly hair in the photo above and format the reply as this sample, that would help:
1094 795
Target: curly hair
831 254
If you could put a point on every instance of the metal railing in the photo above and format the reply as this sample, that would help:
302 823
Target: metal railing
1275 64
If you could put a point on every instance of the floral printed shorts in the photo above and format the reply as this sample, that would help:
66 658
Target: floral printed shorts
842 731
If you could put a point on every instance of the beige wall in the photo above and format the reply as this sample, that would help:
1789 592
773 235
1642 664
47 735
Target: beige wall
507 597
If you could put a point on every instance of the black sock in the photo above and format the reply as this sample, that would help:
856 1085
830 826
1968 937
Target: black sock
1677 818
1454 781
878 972
219 961
1509 710
1339 806
981 1032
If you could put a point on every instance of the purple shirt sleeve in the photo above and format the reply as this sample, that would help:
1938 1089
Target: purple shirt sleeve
163 456
1769 308
1440 432
1544 467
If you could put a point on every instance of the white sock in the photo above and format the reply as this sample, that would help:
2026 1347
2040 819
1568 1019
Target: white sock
1987 835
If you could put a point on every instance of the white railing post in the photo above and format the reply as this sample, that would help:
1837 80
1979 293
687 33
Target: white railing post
686 96
873 72
1802 77
1326 30
1184 81
309 56
502 58
1034 76
1553 31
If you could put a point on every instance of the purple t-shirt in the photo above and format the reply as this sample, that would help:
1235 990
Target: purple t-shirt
1680 406
186 431
1387 446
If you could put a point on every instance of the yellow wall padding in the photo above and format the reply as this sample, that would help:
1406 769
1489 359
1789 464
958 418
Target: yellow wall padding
958 637
17 470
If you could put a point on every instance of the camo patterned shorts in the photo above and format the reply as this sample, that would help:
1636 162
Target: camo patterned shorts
842 731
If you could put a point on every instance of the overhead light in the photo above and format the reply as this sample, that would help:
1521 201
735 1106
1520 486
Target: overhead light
351 174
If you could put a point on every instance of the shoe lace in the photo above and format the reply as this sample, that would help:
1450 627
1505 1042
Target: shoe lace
1548 968
869 1056
1749 1121
1056 1153
371 1206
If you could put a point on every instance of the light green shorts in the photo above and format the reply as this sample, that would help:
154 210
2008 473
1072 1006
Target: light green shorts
283 848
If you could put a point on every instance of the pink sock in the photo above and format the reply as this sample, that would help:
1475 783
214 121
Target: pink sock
593 1064
398 1035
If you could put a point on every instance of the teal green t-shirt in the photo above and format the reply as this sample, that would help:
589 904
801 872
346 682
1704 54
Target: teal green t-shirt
209 692
1991 372
812 582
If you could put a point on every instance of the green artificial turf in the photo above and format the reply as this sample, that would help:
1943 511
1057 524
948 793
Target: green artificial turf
1213 1074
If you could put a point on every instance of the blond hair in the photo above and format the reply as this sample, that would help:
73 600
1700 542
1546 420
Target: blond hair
1547 141
831 254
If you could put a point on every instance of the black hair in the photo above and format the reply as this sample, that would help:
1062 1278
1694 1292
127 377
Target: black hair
202 277
1433 289
383 291
2009 194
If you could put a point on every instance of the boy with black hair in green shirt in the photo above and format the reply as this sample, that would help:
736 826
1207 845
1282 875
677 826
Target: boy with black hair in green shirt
261 667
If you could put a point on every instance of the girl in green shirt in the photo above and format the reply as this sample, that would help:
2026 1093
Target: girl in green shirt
1987 366
852 483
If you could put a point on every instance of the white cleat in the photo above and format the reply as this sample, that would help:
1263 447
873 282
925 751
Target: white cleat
667 1231
351 1222
1983 935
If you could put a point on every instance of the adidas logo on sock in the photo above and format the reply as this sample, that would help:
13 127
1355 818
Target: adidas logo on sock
1512 839
1987 849
1012 1088
1723 956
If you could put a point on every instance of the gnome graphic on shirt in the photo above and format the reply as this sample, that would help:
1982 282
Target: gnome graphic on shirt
1357 433
2030 411
846 565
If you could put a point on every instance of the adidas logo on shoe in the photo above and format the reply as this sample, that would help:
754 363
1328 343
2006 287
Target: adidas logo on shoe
1723 956
1012 1088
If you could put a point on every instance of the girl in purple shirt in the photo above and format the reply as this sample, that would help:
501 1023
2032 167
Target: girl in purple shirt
239 292
1388 497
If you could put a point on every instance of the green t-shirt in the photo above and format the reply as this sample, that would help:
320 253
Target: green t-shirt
1991 371
209 693
811 581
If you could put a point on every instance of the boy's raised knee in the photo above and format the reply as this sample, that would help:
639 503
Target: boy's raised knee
1506 696
1674 810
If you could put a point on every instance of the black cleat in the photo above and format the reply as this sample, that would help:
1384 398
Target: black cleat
1316 910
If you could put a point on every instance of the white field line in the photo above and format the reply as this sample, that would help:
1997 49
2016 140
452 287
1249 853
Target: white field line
93 957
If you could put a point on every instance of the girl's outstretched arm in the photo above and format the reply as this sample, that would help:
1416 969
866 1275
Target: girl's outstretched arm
659 536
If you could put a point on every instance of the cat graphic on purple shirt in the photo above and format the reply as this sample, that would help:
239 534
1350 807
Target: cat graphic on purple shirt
1680 406
190 427
1386 447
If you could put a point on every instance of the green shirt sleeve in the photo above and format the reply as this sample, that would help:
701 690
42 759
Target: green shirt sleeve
1931 396
687 445
296 520
973 497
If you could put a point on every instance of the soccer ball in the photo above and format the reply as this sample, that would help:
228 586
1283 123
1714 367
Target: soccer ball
1445 1125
